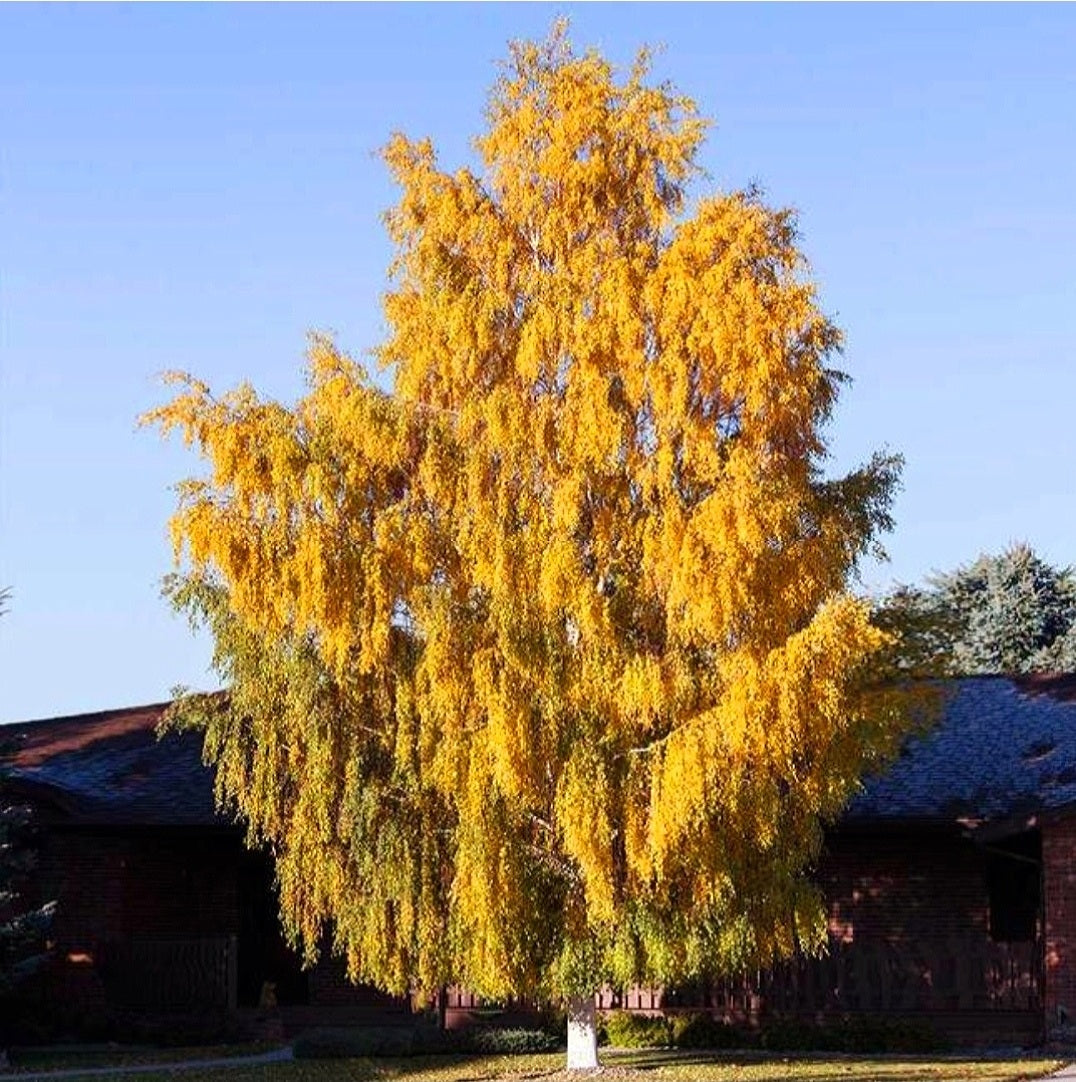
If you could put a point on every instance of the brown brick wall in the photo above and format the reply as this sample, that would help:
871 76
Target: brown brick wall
896 890
904 888
329 986
181 887
141 885
1059 890
114 888
86 873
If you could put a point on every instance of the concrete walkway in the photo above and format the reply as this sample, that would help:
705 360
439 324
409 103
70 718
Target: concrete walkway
279 1055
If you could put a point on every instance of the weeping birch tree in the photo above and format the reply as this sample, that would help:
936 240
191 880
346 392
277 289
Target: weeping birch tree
545 671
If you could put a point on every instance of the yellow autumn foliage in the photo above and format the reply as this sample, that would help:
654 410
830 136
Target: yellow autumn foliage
544 667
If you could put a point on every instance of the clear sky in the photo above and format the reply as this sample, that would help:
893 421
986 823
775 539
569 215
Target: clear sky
197 187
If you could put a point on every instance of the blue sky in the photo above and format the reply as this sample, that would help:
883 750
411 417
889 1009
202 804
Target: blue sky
197 187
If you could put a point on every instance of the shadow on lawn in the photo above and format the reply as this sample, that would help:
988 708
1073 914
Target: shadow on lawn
638 1065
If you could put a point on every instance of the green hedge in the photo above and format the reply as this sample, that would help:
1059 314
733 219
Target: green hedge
705 1031
699 1030
851 1034
622 1029
510 1042
404 1041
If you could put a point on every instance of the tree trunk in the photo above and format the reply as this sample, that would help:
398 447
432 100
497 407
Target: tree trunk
582 1034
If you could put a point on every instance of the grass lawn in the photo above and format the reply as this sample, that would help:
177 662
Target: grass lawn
628 1067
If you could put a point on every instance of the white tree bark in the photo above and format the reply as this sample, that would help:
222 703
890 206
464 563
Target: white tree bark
582 1034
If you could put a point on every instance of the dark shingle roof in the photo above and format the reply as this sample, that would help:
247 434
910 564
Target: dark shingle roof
110 768
1004 747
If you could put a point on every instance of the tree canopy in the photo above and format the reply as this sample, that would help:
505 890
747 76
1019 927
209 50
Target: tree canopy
1009 612
544 667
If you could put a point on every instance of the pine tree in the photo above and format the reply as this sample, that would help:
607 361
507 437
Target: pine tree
1006 613
22 925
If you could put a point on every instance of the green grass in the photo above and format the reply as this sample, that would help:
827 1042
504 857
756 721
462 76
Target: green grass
646 1066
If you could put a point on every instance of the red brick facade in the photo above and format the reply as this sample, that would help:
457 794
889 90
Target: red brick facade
142 885
156 890
1059 883
918 918
905 888
910 921
137 905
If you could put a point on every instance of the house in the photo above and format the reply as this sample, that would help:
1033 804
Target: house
950 882
162 910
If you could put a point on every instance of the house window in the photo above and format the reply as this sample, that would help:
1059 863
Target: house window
1013 880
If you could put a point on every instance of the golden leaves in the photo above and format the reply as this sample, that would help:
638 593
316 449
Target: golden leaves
584 801
546 654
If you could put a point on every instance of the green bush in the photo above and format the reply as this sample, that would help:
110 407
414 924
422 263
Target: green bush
510 1042
626 1030
702 1030
403 1041
623 1029
795 1035
851 1034
554 1021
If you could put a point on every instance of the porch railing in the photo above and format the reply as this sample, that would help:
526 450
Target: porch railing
854 977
